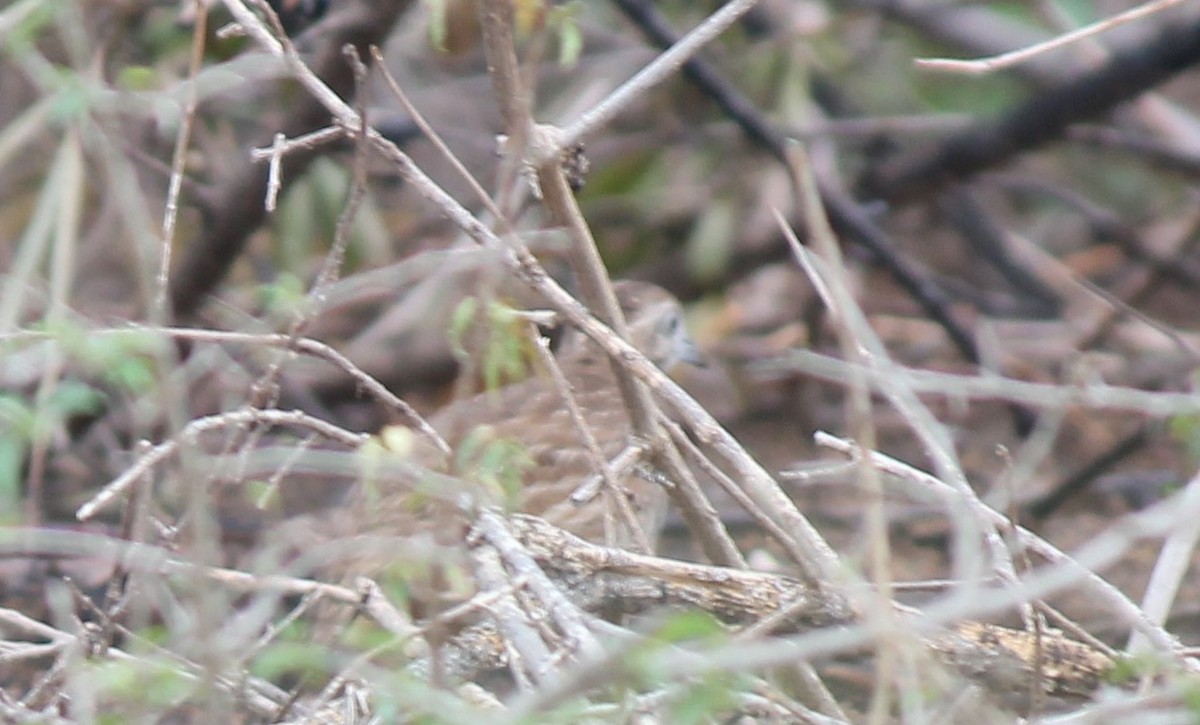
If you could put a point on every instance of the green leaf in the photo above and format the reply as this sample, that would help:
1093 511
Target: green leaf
12 457
73 99
711 243
16 417
437 23
1186 430
570 45
460 324
498 464
138 78
684 626
71 398
564 19
24 22
687 626
705 700
506 354
1081 12
133 374
284 297
143 682
292 658
1127 669
1190 694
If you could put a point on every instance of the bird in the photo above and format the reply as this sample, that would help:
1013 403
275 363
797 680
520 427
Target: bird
519 445
408 516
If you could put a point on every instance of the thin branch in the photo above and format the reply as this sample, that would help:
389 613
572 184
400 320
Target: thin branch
108 495
1069 567
981 66
158 311
664 66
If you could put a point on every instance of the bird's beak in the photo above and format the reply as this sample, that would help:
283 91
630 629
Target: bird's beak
691 354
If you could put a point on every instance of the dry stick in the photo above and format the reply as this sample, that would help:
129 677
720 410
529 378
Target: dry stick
981 66
699 512
305 345
237 203
901 397
1171 705
837 295
372 601
612 488
772 706
1075 630
275 172
519 632
23 712
158 311
1088 393
513 94
255 696
817 561
933 436
556 549
515 108
810 682
611 558
1129 612
607 475
859 343
595 575
690 451
1043 117
1032 618
107 495
151 559
590 273
16 653
11 619
514 99
260 696
1106 308
368 597
661 68
565 614
620 466
319 349
119 594
49 691
307 142
589 673
727 484
84 603
52 681
435 138
1172 565
266 391
275 628
274 482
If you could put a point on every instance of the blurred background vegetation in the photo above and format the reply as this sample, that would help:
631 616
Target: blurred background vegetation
1067 256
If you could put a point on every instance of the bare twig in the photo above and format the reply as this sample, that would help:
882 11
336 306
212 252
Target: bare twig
158 311
1071 569
656 72
981 66
614 495
108 495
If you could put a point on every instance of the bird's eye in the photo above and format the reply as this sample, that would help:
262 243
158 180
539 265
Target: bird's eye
672 324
